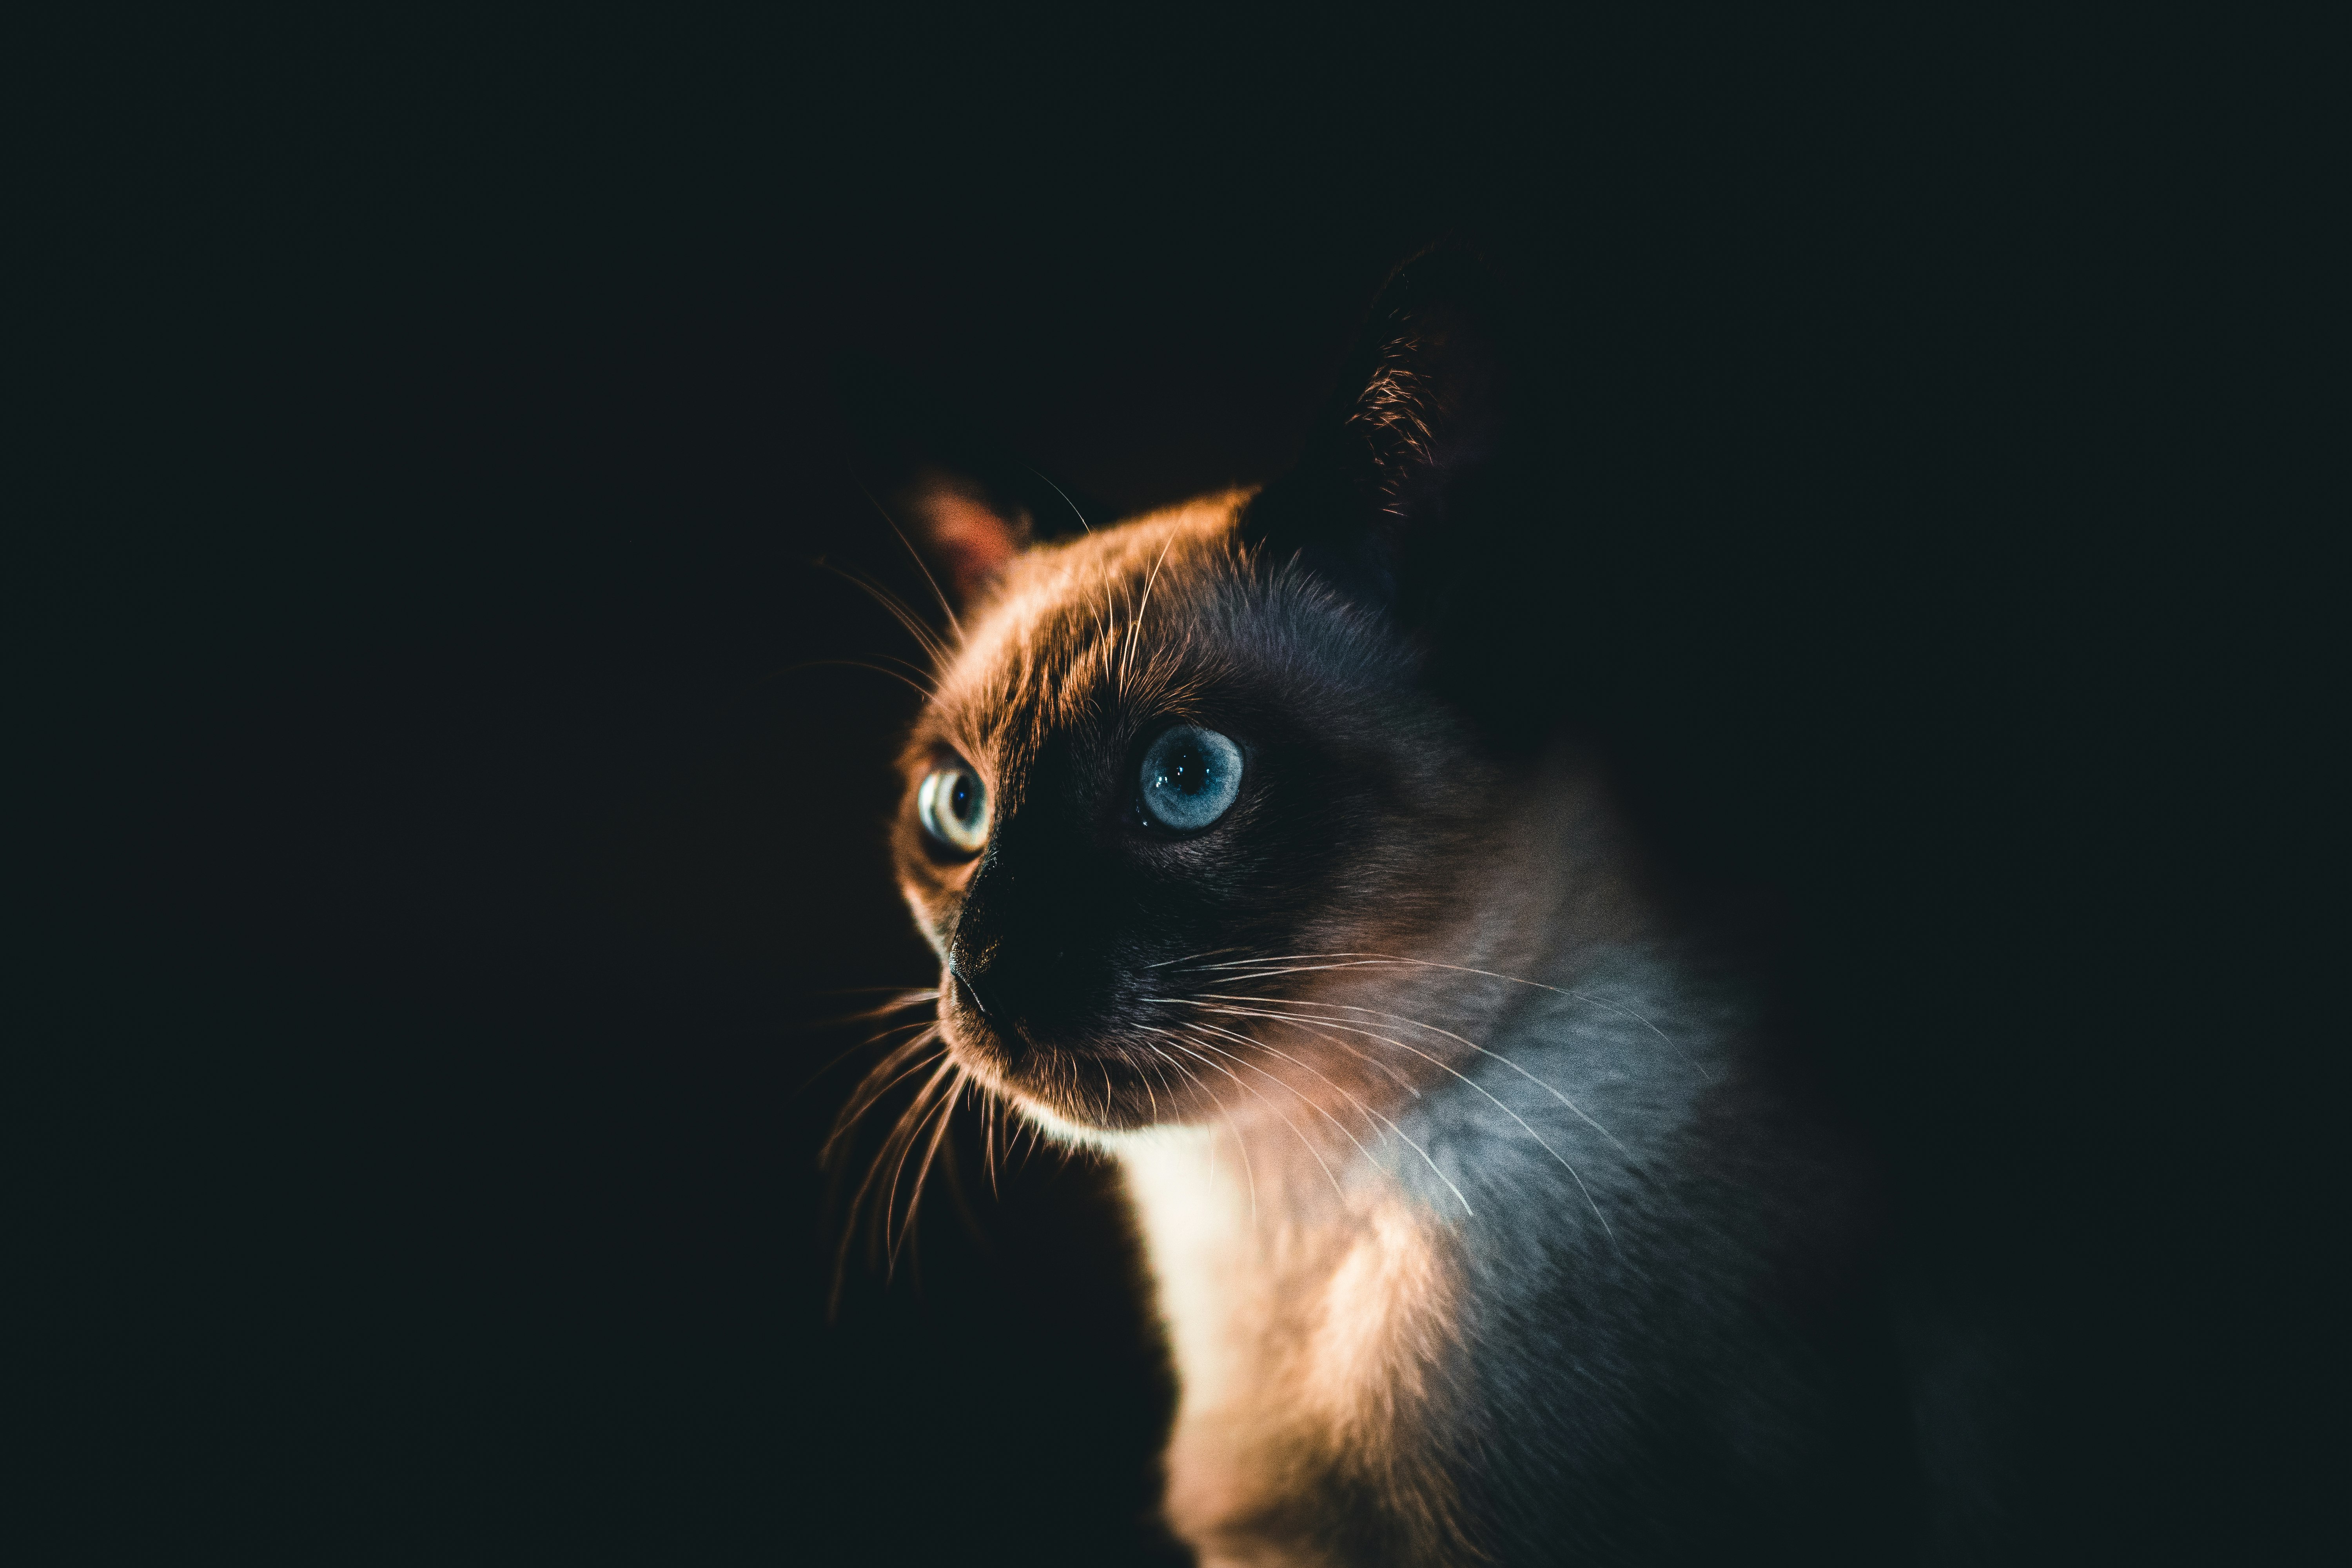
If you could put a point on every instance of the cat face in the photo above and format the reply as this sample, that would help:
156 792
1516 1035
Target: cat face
1158 751
1178 774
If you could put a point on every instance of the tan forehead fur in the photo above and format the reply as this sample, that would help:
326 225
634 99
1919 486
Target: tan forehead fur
1144 615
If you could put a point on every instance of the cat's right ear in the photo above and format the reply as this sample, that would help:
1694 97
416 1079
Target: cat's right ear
1388 483
966 536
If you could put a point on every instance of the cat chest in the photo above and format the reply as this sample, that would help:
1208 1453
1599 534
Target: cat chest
1324 1325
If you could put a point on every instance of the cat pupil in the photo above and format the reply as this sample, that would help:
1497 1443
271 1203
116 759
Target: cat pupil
959 799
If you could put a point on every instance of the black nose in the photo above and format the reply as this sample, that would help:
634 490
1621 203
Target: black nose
1022 983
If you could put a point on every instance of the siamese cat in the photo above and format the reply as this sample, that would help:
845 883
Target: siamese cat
1482 1223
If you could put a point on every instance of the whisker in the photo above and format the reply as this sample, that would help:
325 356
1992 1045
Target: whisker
1270 1105
874 1040
922 1173
913 624
923 680
1026 1128
1243 1144
1302 1094
861 1102
1360 1105
1245 1040
1201 1084
926 692
1414 1023
988 1130
873 1173
1066 501
890 1201
1366 960
1147 1089
1160 1054
921 565
1394 1076
902 998
1136 621
1433 1061
1210 953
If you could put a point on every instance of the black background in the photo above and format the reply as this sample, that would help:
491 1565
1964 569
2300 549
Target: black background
452 848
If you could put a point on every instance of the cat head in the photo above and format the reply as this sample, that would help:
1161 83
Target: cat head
1172 767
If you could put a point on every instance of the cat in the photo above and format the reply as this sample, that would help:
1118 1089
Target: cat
1485 1219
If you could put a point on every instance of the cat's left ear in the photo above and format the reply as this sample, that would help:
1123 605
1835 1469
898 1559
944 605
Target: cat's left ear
1381 493
958 492
966 535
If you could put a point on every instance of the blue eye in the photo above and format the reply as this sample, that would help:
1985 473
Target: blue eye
1189 777
952 804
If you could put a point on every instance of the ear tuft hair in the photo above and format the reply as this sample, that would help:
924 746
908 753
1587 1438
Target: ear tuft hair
1421 410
